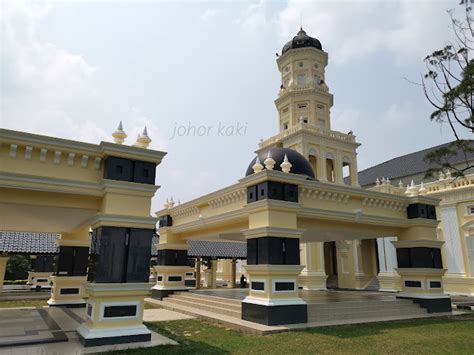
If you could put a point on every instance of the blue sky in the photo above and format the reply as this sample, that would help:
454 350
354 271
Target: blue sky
75 69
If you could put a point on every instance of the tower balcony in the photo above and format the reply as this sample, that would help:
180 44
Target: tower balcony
302 127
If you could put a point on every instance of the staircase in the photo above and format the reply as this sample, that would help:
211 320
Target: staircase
195 304
364 311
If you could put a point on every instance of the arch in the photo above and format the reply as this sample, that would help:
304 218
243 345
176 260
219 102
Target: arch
346 170
330 167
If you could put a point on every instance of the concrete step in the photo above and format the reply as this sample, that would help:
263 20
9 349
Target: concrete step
219 302
360 304
366 315
362 308
199 296
344 311
177 302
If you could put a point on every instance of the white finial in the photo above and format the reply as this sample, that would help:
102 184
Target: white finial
448 174
407 191
269 162
179 202
400 184
257 167
422 189
167 203
441 175
119 135
286 165
143 141
377 182
412 184
387 181
171 202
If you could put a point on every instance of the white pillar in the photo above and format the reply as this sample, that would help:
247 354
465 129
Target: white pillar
389 280
313 276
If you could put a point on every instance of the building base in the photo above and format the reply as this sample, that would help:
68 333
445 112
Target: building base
159 294
68 304
313 281
432 304
113 336
275 315
389 282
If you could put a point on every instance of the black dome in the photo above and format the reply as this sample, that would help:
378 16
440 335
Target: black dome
300 165
302 40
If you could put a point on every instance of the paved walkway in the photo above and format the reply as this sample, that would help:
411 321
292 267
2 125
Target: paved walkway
163 315
53 331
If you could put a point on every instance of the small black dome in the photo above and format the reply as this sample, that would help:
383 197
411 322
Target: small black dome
302 40
300 165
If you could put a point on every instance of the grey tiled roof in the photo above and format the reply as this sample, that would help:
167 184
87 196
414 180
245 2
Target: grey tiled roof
407 165
217 249
28 243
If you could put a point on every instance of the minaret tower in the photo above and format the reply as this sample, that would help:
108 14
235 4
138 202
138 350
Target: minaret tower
303 105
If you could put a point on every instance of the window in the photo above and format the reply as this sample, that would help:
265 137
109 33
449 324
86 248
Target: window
305 119
301 106
301 64
301 78
470 209
317 79
285 125
316 65
320 106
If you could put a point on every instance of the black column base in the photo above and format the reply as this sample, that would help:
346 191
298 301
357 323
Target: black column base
114 340
275 315
432 305
70 305
160 294
190 283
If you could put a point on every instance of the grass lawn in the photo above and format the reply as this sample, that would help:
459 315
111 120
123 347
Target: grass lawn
22 303
453 335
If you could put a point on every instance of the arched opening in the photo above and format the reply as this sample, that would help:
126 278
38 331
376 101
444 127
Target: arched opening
330 172
313 160
330 264
346 171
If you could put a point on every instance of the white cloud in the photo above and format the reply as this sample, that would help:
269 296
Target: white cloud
253 17
352 30
210 14
345 120
44 88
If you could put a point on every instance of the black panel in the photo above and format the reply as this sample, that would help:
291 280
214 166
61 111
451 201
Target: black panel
81 259
270 190
139 254
41 280
437 260
409 283
160 278
120 311
126 339
252 251
110 262
421 257
435 284
166 221
118 169
258 285
433 305
284 286
44 263
172 257
419 210
273 251
251 194
274 315
144 172
64 264
175 278
292 251
290 192
69 291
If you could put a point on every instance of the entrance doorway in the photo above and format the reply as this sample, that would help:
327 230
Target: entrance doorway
330 264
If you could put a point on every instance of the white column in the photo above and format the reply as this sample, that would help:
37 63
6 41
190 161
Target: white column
389 280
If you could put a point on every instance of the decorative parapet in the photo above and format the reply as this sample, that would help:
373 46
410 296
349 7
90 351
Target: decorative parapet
322 194
302 127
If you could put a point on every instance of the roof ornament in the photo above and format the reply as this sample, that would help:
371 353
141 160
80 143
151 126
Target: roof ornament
119 135
387 181
407 191
422 189
171 204
377 182
257 167
286 165
441 175
383 180
166 204
143 141
269 162
448 174
400 184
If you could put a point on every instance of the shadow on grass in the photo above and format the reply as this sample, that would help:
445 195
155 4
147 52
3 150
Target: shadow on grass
374 328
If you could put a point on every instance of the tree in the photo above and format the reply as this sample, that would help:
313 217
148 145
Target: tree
448 85
18 267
